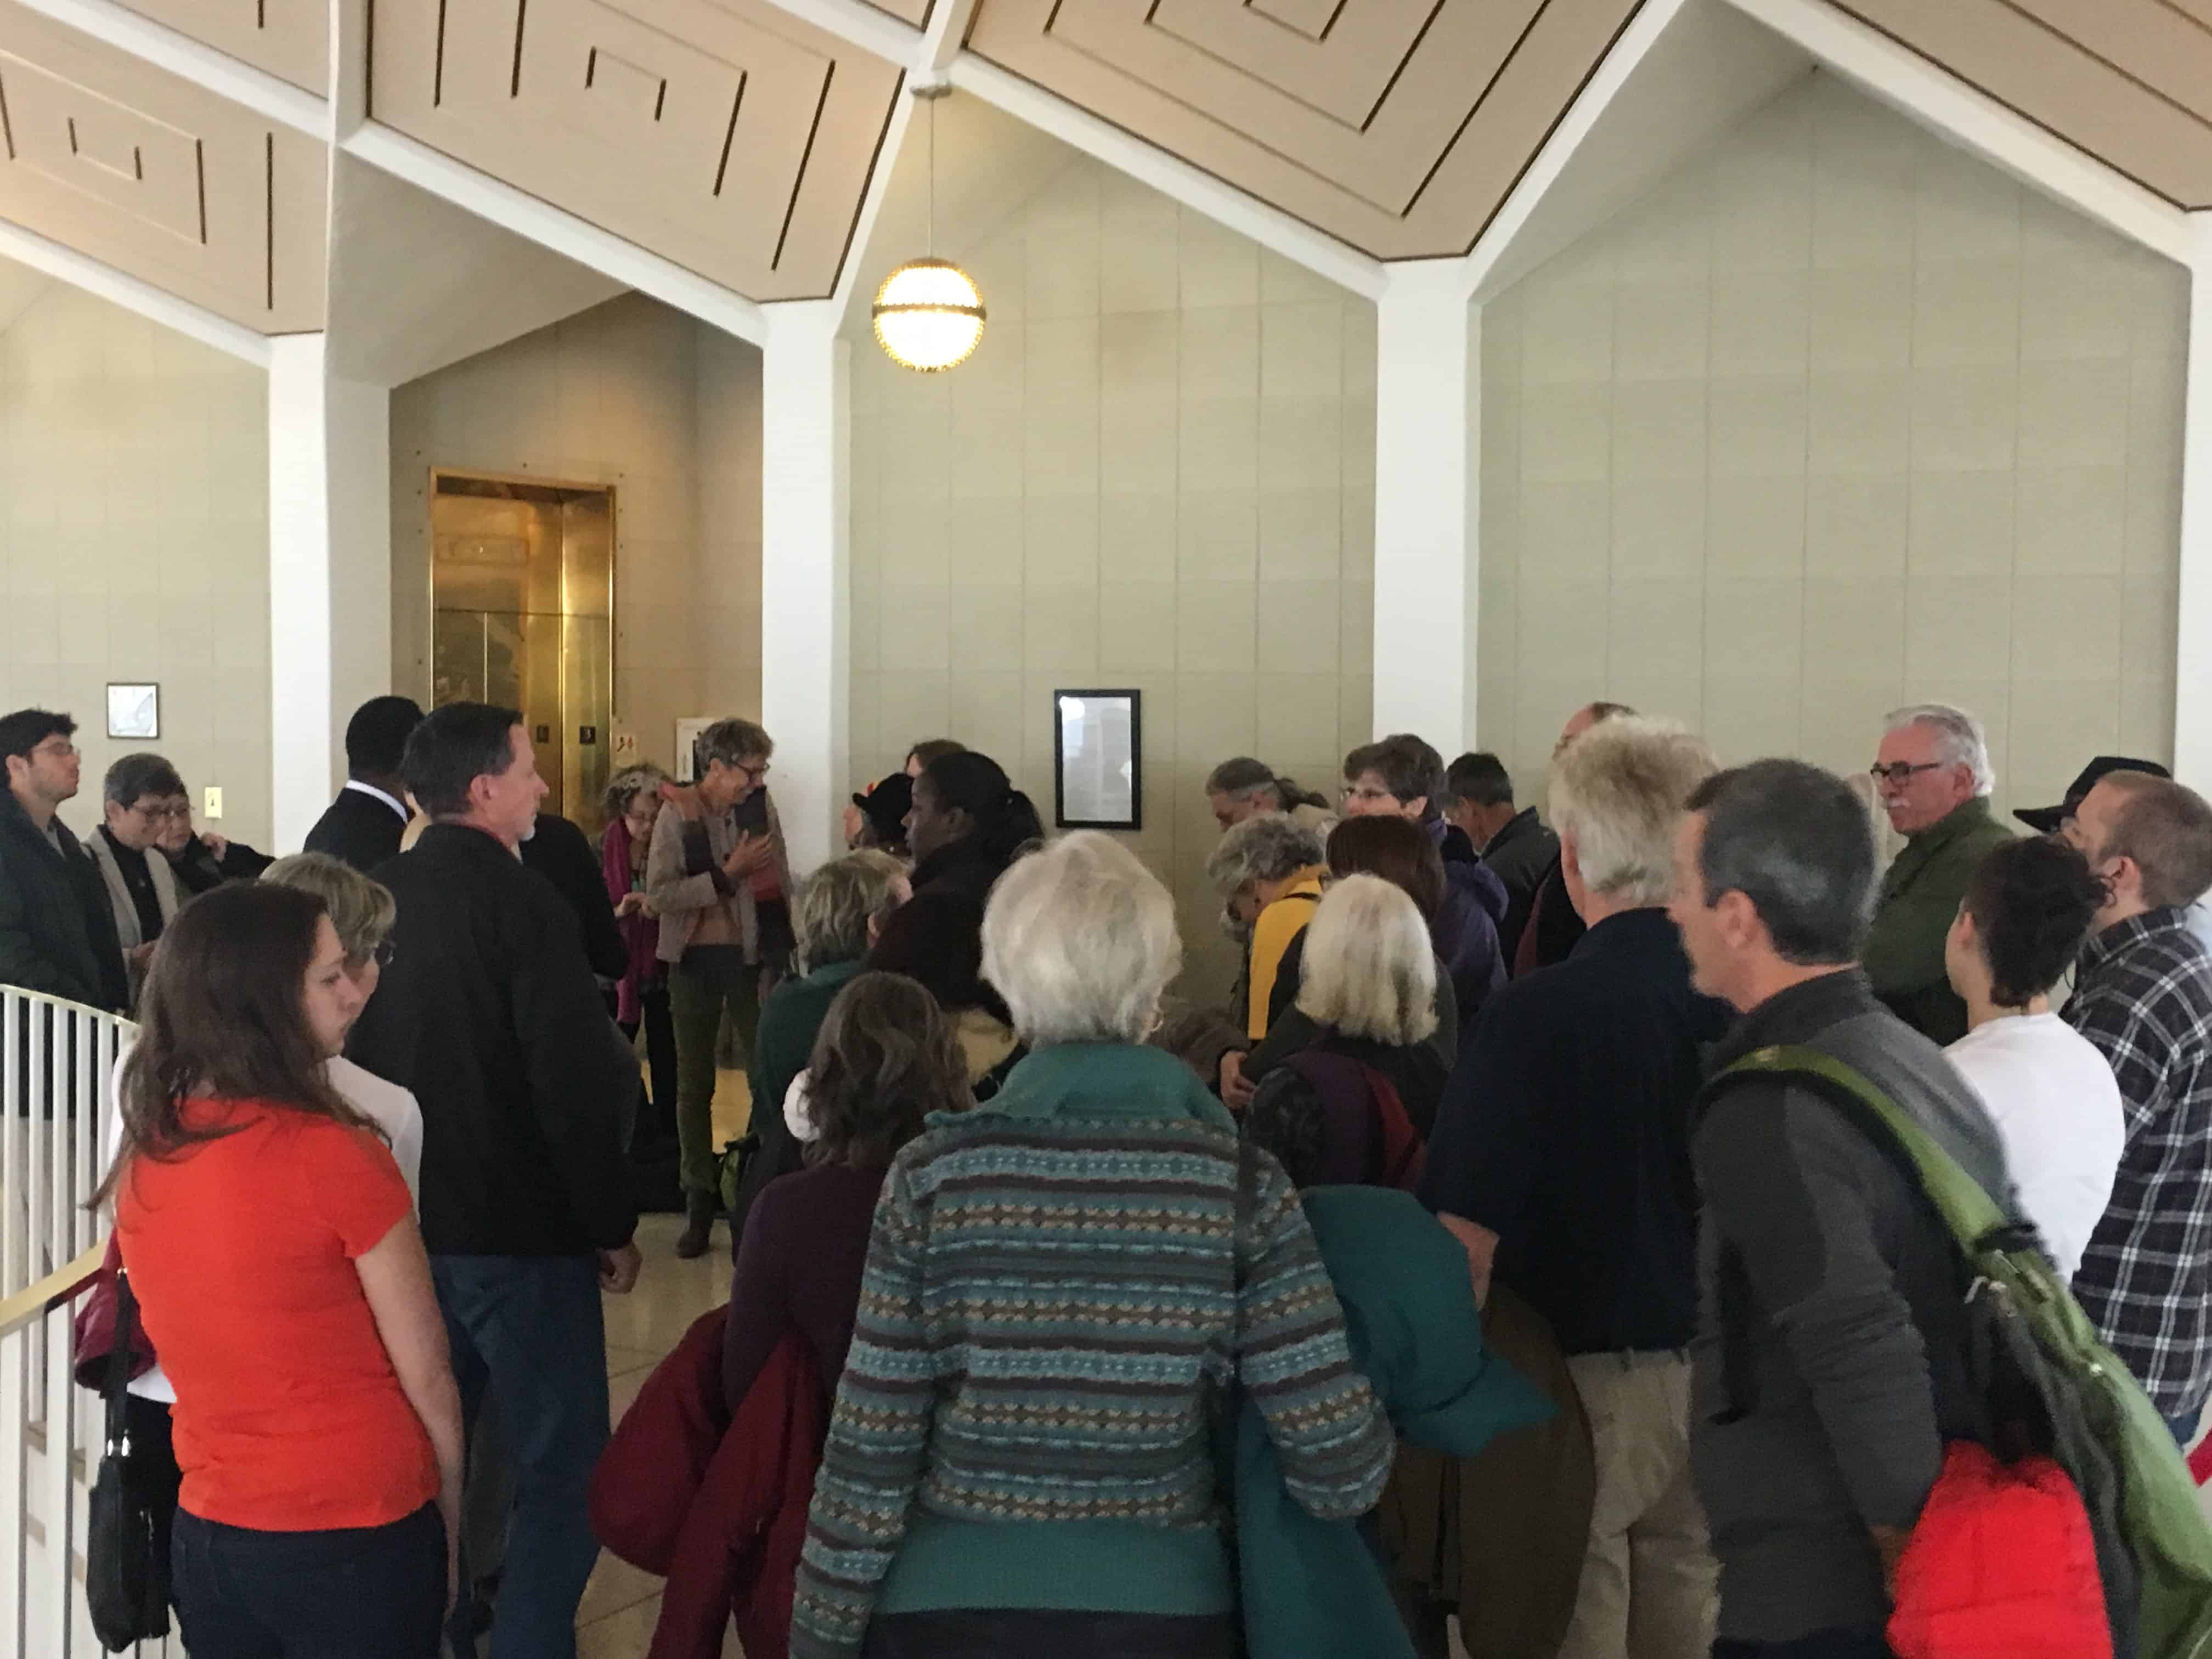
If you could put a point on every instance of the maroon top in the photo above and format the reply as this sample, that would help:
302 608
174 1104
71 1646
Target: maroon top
798 1271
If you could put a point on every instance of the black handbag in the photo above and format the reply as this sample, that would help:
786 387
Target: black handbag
126 1571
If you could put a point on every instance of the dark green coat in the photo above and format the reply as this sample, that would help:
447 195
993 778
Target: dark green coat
1920 900
1317 1589
57 927
782 1048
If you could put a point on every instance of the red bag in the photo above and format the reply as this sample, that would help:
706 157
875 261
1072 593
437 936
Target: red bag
93 1331
2001 1565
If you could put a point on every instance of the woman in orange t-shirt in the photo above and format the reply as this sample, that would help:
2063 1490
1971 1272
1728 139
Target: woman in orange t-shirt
273 1249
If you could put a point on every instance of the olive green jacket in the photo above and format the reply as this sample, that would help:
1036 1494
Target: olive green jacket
1919 901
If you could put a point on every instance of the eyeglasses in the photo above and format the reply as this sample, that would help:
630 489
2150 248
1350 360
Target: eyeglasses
1350 793
179 812
1901 773
384 953
58 748
757 773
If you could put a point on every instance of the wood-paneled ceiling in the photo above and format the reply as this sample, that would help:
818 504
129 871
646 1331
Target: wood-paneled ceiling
738 138
160 178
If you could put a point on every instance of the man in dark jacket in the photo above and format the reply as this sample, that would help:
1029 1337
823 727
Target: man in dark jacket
1830 1363
57 926
489 1013
559 851
1561 1159
1550 930
1513 842
363 825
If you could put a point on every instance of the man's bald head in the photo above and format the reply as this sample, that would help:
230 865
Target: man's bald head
1584 717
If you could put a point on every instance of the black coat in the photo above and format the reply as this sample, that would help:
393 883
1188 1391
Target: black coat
198 869
961 866
57 927
358 829
562 854
1520 855
489 1013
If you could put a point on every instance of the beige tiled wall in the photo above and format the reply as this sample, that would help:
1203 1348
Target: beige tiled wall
1156 471
1837 419
667 410
134 544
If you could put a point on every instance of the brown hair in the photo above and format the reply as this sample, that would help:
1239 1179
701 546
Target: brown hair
2167 829
884 1059
1397 849
223 1015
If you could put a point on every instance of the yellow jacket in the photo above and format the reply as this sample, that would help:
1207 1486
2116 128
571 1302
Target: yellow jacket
1278 924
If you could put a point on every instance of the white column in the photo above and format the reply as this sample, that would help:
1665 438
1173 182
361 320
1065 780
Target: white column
806 570
330 572
1425 408
2193 666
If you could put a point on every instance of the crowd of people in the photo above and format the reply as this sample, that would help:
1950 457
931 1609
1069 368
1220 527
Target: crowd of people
1080 1314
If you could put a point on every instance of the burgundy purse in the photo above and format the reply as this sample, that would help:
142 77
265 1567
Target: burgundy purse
93 1330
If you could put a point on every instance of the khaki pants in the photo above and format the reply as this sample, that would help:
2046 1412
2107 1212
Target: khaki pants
1649 1586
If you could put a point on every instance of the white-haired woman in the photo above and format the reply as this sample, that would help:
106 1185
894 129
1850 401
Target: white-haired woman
986 1492
1354 1106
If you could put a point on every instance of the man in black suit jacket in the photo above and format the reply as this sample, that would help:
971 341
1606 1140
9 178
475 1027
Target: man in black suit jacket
363 825
489 1012
562 853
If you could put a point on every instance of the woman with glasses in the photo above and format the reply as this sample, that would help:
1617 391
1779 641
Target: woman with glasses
203 861
142 889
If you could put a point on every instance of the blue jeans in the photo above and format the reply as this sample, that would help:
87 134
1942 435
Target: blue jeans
530 1328
2183 1428
354 1593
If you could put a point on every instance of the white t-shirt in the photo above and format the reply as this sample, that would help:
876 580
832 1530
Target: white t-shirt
390 1108
2054 1101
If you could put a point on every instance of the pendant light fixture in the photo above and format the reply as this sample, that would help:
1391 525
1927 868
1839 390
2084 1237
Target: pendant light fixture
928 313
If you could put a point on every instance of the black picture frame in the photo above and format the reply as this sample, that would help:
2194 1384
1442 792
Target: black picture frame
1135 700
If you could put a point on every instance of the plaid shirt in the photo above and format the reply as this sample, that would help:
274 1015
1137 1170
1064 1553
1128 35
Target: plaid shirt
2143 996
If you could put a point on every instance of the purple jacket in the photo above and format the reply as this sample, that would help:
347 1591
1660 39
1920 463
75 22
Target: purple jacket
1464 929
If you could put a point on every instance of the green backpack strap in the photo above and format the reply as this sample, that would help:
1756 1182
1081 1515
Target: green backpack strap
1969 1212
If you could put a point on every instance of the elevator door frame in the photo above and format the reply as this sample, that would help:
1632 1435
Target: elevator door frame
612 494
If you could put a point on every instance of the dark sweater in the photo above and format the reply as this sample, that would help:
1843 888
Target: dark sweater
963 866
781 1049
1849 1297
806 1245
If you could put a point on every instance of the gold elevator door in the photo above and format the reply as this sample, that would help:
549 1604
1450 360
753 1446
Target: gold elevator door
522 608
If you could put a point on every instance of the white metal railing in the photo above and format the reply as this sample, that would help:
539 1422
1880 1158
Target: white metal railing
56 1062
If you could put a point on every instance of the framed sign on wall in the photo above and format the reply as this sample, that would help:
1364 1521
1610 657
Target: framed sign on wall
1098 751
134 712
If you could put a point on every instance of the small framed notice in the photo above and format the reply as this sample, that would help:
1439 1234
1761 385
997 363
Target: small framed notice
134 712
1098 760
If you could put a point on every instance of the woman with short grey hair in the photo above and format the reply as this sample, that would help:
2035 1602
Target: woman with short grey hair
1267 871
1102 1195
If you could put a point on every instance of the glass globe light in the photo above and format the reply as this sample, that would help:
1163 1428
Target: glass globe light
928 315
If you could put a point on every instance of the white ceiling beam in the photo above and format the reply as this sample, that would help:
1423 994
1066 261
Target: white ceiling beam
1613 73
189 59
1926 93
541 223
943 39
1173 177
872 203
104 282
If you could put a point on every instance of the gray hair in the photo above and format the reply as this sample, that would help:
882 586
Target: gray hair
731 742
1241 779
1080 939
1618 791
1961 741
627 785
1370 970
134 777
836 903
1795 841
362 911
1272 847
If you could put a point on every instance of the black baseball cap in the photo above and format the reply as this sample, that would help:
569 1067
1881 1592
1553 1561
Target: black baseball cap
887 805
2048 818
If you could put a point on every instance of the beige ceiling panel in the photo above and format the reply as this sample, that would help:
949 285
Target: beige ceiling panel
1451 137
1343 74
290 39
1311 18
915 12
729 138
2053 82
141 170
2161 47
1380 152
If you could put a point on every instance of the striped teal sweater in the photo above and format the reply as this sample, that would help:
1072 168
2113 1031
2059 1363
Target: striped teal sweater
1062 1287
